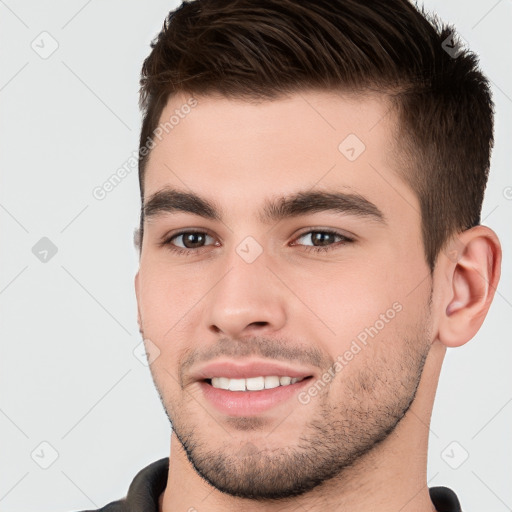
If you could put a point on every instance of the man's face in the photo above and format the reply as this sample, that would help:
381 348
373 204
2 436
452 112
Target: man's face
248 295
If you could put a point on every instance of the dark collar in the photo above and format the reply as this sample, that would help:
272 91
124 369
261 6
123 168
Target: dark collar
150 482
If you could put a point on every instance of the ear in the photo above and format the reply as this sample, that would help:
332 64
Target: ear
136 239
137 295
472 266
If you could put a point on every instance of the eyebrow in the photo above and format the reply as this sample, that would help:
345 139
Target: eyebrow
169 200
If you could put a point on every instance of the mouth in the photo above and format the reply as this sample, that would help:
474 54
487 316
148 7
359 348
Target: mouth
248 387
252 396
258 383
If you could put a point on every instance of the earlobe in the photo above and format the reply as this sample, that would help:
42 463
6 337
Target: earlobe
470 286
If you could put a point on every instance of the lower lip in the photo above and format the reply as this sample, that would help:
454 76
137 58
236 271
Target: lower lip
250 403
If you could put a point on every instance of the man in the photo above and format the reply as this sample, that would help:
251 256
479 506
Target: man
311 174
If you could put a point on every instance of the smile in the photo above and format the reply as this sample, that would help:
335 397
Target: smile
251 396
253 383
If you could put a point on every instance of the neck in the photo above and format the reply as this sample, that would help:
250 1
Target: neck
391 477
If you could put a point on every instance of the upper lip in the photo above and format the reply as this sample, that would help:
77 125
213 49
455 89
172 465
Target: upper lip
247 369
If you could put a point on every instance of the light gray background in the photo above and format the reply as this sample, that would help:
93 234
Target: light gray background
68 373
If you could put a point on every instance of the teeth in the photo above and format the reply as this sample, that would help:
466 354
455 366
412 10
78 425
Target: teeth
253 383
271 382
223 382
236 384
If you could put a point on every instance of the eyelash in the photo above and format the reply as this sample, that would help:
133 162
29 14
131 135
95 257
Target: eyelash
309 248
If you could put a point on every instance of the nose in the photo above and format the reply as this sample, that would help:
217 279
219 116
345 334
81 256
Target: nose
248 299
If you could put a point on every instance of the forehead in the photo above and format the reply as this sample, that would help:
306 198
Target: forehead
239 152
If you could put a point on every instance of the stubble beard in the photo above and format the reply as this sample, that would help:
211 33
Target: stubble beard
374 401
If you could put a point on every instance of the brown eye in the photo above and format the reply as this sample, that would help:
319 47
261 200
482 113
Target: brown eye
193 240
323 238
187 241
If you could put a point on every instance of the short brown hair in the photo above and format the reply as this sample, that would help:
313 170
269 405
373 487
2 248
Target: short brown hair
248 49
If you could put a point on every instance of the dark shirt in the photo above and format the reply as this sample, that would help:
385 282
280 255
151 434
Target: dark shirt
150 482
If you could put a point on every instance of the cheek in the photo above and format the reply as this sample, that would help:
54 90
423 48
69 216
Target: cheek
164 297
172 303
363 303
348 297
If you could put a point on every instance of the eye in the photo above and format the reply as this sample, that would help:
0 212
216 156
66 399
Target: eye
325 238
187 241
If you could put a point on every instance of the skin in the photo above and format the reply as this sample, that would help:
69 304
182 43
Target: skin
371 423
